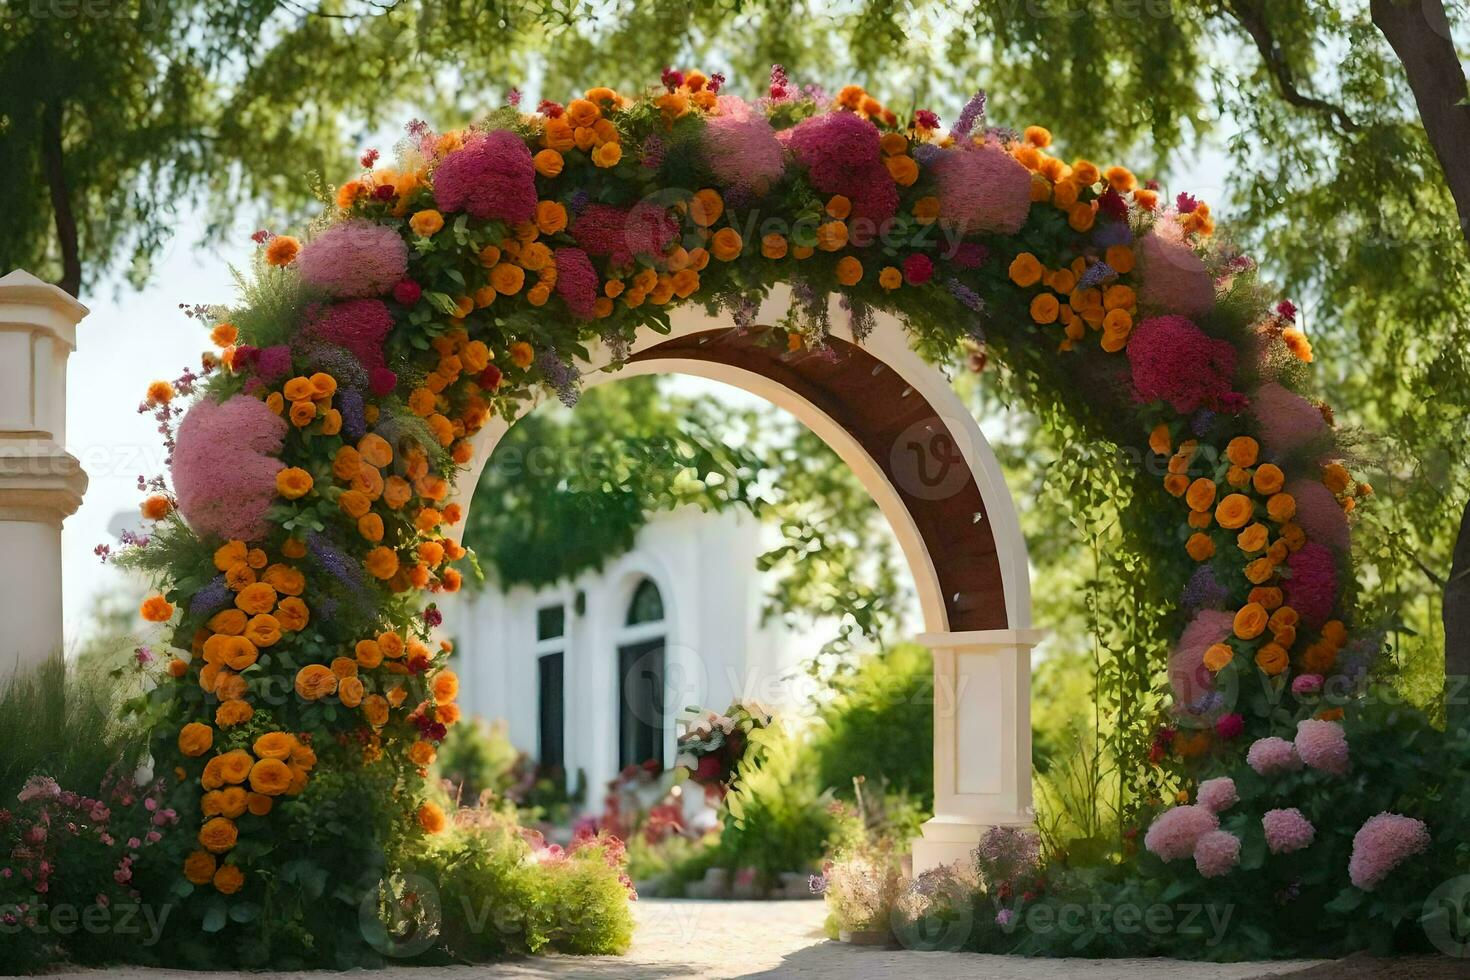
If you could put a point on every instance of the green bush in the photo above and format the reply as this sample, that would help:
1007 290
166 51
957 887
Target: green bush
879 723
501 894
778 818
477 756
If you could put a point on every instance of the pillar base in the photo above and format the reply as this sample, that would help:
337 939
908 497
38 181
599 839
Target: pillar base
951 840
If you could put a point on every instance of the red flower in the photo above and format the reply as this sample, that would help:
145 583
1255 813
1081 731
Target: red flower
407 292
918 269
490 378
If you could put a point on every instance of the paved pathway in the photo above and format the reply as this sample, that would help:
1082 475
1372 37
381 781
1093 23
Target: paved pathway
726 940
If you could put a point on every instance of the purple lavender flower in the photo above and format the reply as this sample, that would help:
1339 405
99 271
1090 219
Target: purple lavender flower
965 295
1202 421
560 376
354 419
972 113
1203 591
211 598
341 567
926 153
860 318
578 201
1112 233
617 345
338 362
1096 273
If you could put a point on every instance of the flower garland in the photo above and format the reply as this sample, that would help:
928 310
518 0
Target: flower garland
308 518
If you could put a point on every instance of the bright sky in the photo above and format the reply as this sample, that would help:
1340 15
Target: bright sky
131 338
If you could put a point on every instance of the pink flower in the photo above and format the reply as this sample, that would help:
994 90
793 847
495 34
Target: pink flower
841 155
1217 795
1323 745
1216 853
1174 279
620 234
491 177
273 363
1174 834
354 258
1383 843
360 326
1312 588
576 282
982 188
1286 420
382 381
741 147
1173 360
1307 684
918 269
1319 514
225 466
1188 675
1287 830
1273 756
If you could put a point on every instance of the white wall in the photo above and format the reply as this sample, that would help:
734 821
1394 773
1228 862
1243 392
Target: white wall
717 649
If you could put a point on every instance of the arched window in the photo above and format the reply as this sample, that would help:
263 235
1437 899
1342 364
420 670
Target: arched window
641 663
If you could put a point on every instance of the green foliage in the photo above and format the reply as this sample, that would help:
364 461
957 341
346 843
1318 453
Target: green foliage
877 721
65 723
776 818
475 758
495 901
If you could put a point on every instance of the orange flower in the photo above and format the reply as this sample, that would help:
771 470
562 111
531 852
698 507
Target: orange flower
1201 494
282 250
228 879
726 244
256 599
270 777
1200 546
1218 657
234 766
315 681
902 169
1045 308
1234 511
891 277
551 217
218 835
831 236
350 691
1250 621
157 609
370 526
368 653
1119 258
391 644
607 155
445 686
1268 597
375 709
548 163
1260 570
1159 440
233 712
1268 479
926 210
431 818
292 615
1243 451
849 270
1272 659
1281 507
195 739
274 745
199 867
1298 344
426 223
421 754
375 450
1253 538
177 667
1336 477
294 483
1025 270
382 563
157 507
1334 632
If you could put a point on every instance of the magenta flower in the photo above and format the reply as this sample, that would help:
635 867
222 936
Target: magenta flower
576 282
1319 514
491 177
354 258
741 147
1312 588
840 153
918 269
1175 361
1286 420
982 189
1230 726
361 326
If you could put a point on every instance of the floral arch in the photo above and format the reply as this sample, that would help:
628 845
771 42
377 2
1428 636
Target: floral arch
330 447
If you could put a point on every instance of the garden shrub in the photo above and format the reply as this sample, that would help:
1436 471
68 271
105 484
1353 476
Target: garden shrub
777 817
505 891
478 756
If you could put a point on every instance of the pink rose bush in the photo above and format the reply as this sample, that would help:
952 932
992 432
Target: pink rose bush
1218 795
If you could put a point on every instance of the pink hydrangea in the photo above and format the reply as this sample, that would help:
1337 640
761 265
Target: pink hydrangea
1174 834
840 152
1319 514
1383 843
491 177
602 229
354 258
1216 853
1312 587
273 363
1323 745
1175 361
225 466
576 282
741 146
1273 756
1188 675
1287 830
983 188
1286 421
360 326
1173 278
1217 795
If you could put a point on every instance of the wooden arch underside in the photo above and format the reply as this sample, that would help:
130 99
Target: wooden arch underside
902 433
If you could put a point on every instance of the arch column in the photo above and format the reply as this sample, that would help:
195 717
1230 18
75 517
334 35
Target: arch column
41 484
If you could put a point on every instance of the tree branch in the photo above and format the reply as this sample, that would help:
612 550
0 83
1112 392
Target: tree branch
1419 34
1251 15
53 163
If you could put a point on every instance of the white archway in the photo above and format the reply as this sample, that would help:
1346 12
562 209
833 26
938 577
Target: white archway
982 727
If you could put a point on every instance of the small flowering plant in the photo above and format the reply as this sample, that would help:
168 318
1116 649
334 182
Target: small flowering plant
713 744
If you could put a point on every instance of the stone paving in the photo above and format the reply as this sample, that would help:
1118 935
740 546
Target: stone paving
725 940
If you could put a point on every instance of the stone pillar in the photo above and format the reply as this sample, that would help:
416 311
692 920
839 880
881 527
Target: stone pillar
982 740
40 483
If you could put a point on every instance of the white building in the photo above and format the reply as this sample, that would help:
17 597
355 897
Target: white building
593 673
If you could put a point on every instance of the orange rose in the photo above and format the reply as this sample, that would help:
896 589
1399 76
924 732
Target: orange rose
926 210
228 879
1281 508
1334 632
1269 597
1200 546
369 654
831 236
849 270
218 835
445 686
315 681
1044 308
263 631
275 745
1335 476
230 622
1319 658
256 599
431 818
1159 440
233 712
1218 657
292 615
421 754
1235 511
1253 538
350 691
270 777
1271 659
890 278
426 223
726 244
548 163
238 653
195 739
1201 494
375 709
1268 479
293 483
1025 270
391 644
1260 570
199 867
375 450
234 766
382 563
1250 621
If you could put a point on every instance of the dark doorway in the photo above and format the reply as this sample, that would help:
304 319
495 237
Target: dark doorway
641 703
